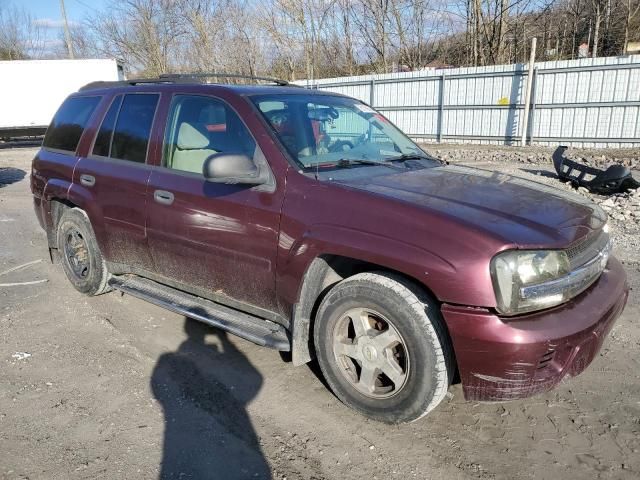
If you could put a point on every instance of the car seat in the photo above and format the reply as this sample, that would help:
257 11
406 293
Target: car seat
191 148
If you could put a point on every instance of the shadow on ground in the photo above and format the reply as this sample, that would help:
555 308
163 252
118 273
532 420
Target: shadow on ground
204 388
9 175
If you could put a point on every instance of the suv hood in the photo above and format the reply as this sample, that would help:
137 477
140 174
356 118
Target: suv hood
517 211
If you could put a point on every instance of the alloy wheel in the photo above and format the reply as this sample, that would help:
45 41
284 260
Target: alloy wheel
371 353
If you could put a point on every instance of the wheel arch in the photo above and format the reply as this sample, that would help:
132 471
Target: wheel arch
57 207
75 196
325 271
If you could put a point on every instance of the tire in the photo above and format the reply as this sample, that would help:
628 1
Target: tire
80 256
383 348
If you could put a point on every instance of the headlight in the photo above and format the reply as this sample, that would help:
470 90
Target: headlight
515 269
528 280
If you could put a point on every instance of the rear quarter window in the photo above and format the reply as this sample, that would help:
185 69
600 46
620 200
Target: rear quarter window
69 122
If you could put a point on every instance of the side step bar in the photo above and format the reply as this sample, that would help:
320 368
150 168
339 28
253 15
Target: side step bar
257 330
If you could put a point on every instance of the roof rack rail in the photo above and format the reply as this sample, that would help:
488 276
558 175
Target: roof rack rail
180 78
123 83
277 81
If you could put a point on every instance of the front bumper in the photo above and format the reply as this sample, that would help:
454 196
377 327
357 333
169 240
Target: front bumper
508 358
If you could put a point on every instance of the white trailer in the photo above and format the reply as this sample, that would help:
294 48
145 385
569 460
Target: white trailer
32 90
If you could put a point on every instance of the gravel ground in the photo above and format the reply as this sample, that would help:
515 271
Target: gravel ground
109 386
629 157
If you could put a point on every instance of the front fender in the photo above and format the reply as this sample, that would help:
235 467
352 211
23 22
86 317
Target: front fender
425 266
375 248
307 259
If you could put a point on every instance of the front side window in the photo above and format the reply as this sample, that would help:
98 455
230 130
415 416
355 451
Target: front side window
69 122
129 138
326 129
198 127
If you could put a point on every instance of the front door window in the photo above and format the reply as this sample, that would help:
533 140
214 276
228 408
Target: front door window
199 127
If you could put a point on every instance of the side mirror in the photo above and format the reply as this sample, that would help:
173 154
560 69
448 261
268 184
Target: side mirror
232 168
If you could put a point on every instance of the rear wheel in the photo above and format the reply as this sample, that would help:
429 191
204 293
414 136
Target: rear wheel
382 347
81 258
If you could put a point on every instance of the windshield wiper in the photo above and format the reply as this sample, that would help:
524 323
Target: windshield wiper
347 162
409 156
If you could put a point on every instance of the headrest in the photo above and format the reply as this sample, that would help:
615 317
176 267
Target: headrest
191 138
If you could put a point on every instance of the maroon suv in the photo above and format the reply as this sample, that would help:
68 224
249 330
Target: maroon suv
305 221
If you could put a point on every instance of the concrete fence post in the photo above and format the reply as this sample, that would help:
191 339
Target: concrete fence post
372 92
532 114
441 108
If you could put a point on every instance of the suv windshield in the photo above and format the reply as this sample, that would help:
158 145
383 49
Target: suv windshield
332 130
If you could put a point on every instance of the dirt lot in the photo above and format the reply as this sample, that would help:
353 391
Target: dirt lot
111 387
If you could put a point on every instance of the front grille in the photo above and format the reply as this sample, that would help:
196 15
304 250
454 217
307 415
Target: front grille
587 249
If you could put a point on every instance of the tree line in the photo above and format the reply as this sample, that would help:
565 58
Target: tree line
295 39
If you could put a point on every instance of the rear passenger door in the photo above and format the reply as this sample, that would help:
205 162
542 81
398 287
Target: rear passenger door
115 174
213 239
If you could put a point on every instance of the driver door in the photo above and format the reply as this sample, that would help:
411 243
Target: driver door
211 239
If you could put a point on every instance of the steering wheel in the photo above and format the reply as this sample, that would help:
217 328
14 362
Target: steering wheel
340 145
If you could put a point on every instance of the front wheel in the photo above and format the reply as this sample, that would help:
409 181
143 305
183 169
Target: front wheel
382 347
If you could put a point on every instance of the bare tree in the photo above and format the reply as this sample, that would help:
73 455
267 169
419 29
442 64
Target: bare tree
316 38
371 17
205 30
344 21
596 5
630 12
20 35
145 34
243 41
82 43
278 27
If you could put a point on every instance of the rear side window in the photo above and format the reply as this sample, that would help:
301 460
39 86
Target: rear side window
68 123
102 146
133 126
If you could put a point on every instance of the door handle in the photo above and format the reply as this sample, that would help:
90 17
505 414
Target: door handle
163 197
87 180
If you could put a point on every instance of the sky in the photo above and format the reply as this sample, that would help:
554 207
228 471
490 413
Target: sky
47 14
50 9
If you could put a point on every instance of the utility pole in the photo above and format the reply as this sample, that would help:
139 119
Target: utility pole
67 33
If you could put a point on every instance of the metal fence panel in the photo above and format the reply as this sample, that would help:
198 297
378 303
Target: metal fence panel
585 103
